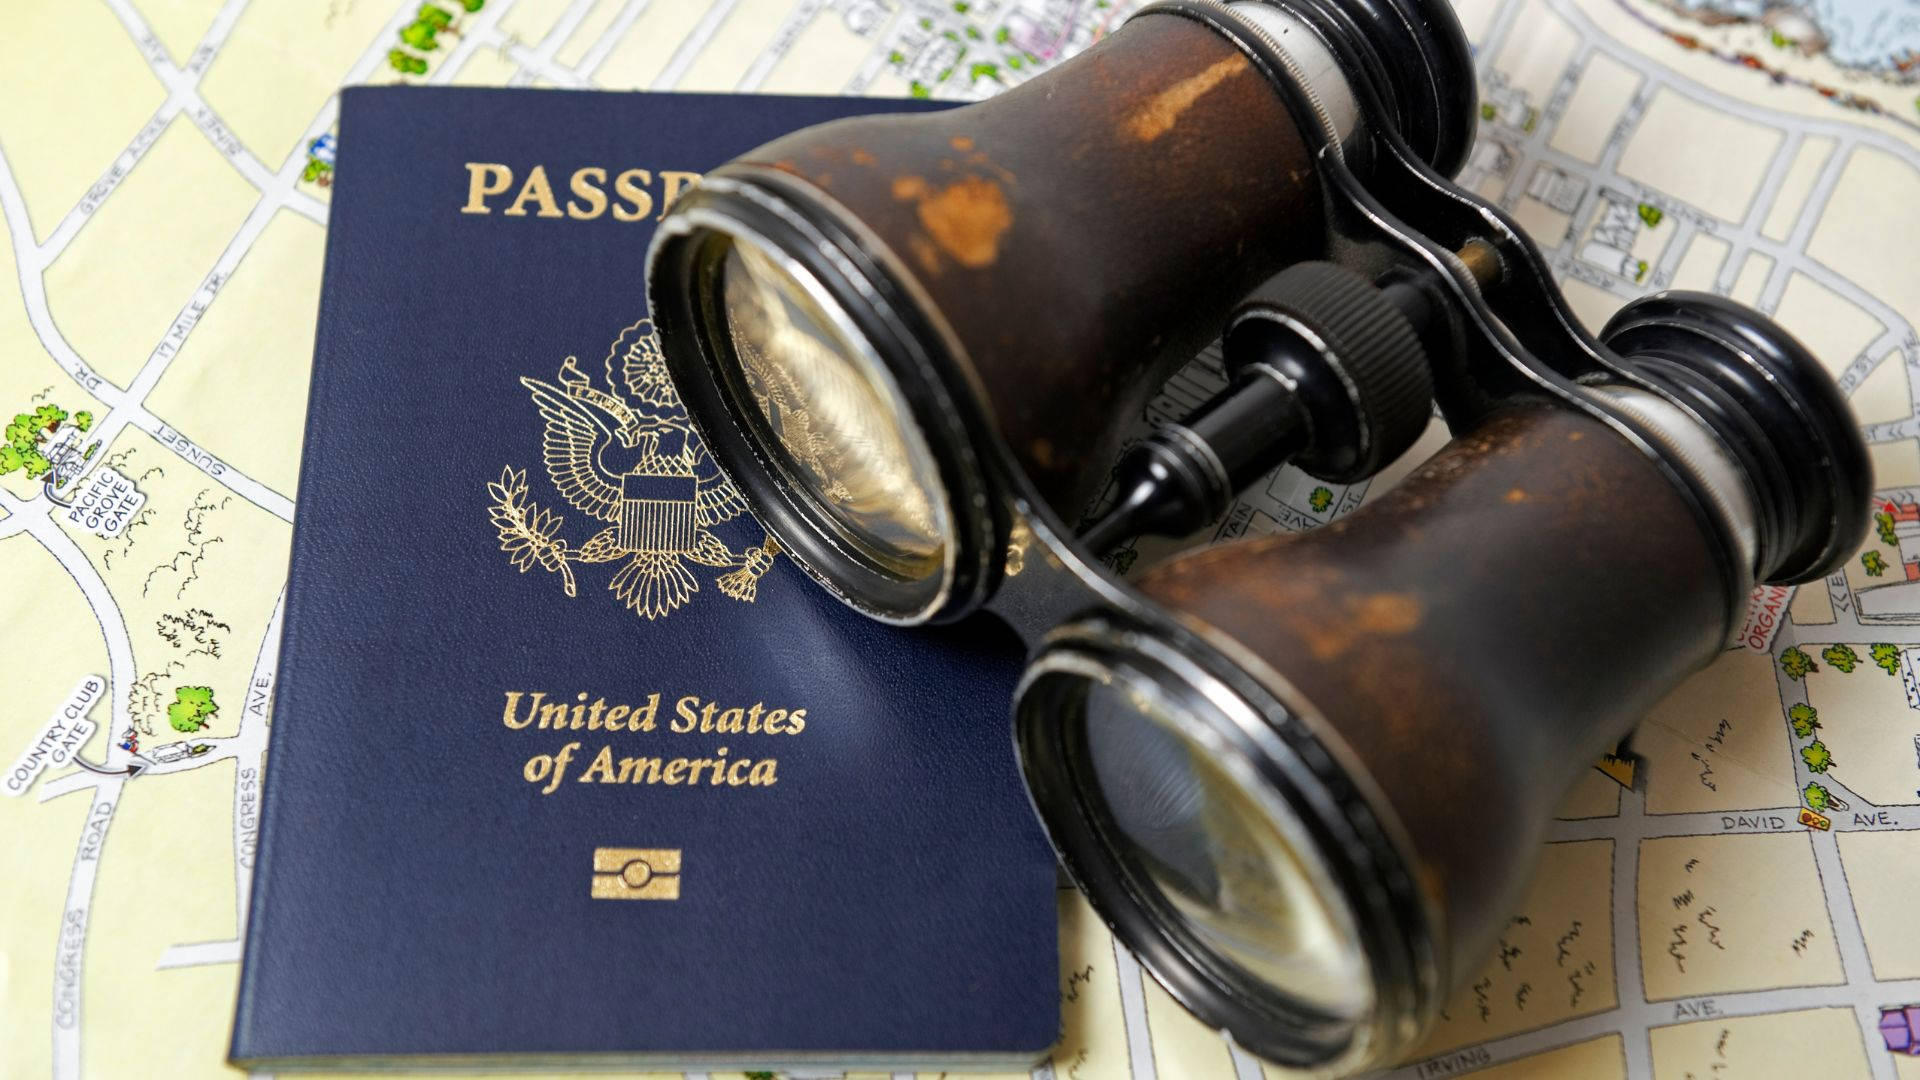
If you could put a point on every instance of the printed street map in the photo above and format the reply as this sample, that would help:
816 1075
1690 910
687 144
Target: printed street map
1745 908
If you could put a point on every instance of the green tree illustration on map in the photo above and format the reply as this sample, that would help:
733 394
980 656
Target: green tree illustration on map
1873 563
27 431
1883 524
12 458
1885 657
1842 657
1796 663
1818 798
420 36
192 705
1804 719
1320 500
1818 758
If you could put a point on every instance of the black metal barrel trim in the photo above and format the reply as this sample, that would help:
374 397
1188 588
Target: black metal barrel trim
1775 409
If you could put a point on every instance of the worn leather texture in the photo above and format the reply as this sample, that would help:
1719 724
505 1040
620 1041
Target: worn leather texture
888 896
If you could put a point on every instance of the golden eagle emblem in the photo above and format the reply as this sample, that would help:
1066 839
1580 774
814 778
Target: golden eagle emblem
632 461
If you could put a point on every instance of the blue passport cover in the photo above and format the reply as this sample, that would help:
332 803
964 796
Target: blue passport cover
565 766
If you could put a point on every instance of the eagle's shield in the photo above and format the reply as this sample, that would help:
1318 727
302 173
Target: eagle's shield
657 512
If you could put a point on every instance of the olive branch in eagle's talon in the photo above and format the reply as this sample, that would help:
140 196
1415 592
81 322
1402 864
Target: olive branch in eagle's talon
527 533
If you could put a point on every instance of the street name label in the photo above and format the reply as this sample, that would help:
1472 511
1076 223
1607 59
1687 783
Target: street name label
1766 614
1760 822
1461 1061
105 503
64 733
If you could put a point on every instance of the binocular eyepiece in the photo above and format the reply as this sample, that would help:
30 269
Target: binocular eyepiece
914 341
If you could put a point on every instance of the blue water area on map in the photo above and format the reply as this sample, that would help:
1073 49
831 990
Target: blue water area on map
1874 35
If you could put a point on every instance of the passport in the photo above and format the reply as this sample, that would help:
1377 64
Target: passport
569 766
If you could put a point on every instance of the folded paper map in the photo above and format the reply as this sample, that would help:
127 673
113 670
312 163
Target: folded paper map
1746 909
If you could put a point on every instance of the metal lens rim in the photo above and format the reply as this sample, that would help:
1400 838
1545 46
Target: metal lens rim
1051 738
683 283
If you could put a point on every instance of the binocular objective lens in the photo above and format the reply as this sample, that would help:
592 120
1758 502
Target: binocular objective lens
1223 864
833 417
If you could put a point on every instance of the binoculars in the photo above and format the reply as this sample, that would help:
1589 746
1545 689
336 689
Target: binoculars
914 342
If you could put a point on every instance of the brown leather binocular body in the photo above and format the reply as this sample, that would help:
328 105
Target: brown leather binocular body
1465 636
1170 165
914 341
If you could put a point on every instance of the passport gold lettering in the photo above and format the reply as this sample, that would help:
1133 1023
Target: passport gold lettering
586 185
580 716
484 179
538 190
542 766
635 196
692 715
631 186
720 770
